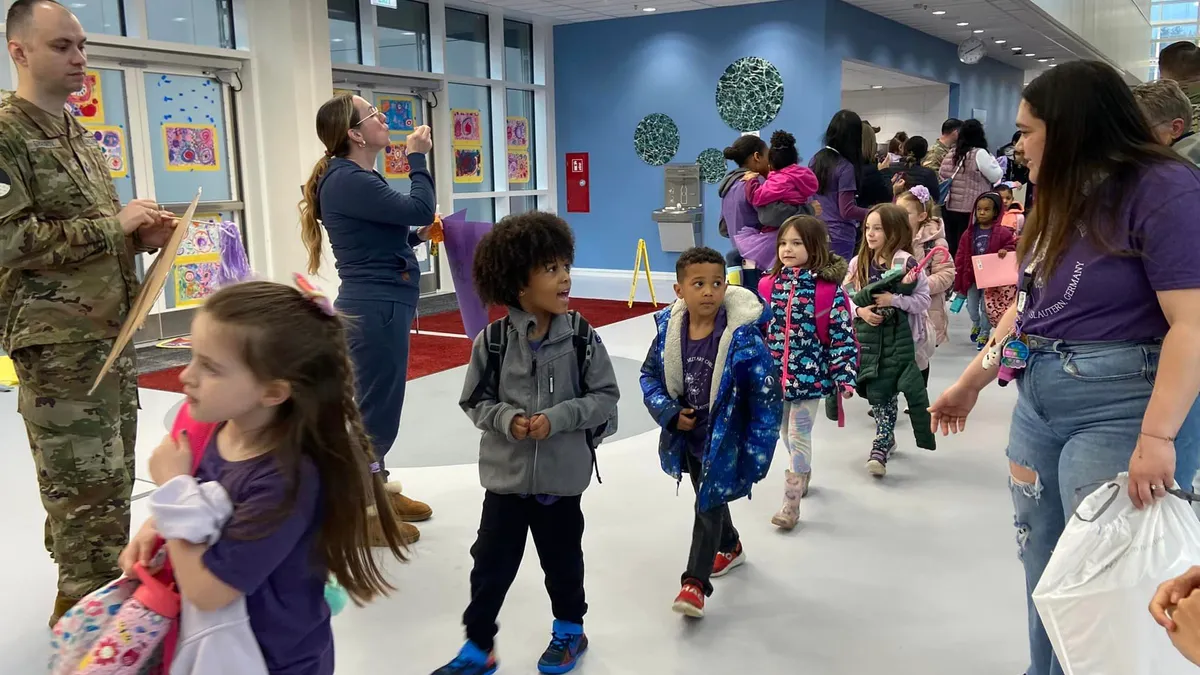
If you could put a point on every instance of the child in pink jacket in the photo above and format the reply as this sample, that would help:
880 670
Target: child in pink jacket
788 188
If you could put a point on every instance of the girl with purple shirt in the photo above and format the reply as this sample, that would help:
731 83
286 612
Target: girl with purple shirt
1110 314
837 166
270 366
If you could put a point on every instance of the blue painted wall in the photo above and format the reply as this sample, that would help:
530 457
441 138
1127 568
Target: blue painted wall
608 75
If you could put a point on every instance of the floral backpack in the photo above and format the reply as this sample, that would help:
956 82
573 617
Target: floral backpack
130 626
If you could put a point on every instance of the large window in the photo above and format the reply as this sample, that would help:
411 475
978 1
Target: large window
466 43
404 36
518 51
98 16
471 112
198 22
343 31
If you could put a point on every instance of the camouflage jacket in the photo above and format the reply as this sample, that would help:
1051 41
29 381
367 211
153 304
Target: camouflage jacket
1192 89
933 159
67 269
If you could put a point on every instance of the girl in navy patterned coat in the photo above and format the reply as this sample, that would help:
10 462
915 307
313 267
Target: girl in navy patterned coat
811 337
711 384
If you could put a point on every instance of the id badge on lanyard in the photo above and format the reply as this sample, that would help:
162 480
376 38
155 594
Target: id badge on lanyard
1015 354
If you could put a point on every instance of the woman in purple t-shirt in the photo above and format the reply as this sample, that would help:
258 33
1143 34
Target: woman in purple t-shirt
1111 316
836 166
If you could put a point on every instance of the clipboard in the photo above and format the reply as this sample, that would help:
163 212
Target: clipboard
156 278
992 271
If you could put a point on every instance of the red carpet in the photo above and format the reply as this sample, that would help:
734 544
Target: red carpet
429 354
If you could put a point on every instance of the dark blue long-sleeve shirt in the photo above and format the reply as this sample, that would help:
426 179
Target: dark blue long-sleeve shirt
371 228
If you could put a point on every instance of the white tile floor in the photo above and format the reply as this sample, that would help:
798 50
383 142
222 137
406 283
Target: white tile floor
913 574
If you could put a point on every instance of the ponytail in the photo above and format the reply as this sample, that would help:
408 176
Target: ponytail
310 211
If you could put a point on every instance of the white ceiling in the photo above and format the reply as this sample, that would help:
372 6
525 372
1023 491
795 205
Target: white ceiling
860 76
1017 22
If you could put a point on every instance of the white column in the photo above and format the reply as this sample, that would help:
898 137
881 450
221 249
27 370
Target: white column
289 78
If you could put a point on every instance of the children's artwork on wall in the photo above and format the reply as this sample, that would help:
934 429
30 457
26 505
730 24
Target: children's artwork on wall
468 165
518 133
712 165
87 104
518 167
112 141
400 112
656 139
191 147
199 239
195 278
395 158
750 94
467 130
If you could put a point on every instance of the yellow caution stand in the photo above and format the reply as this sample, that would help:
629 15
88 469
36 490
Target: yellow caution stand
642 257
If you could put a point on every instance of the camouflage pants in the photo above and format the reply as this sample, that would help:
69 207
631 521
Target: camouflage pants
83 449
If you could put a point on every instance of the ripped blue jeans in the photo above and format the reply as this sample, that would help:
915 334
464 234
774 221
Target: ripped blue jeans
1077 418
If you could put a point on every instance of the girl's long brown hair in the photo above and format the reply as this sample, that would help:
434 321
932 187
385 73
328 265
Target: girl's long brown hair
898 237
1097 143
287 338
815 236
335 118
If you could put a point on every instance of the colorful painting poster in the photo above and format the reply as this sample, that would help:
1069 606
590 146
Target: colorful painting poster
467 129
518 133
468 165
191 147
395 158
199 240
112 141
195 278
518 167
87 104
399 111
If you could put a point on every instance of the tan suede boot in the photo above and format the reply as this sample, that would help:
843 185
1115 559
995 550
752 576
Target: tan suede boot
789 514
409 534
62 605
407 509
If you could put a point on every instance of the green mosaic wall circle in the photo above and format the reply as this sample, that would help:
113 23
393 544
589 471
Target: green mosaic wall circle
749 94
656 139
712 165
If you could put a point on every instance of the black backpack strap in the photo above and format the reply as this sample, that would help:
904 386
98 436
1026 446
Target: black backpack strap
496 340
582 337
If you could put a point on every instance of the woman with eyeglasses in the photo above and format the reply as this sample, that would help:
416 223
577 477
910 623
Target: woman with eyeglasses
1110 316
372 230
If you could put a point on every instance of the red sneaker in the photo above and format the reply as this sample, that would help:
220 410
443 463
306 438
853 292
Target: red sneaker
725 562
690 601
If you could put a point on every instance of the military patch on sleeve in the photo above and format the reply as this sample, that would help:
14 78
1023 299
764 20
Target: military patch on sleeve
5 183
43 144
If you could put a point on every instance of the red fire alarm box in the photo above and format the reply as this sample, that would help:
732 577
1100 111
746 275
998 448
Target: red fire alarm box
579 188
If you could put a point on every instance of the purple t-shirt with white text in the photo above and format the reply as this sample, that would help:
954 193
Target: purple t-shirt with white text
699 363
277 570
842 232
1093 296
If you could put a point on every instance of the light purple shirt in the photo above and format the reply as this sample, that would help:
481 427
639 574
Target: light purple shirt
1097 296
842 232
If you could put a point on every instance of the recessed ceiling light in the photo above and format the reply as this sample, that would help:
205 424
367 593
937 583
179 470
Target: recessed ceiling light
78 5
1015 49
877 86
977 31
960 24
1043 60
939 12
1031 55
1000 42
1053 64
179 19
649 9
337 40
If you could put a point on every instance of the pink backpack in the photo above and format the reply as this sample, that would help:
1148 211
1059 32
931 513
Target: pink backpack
130 626
823 305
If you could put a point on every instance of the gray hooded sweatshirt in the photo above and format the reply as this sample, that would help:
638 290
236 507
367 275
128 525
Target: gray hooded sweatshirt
219 642
546 383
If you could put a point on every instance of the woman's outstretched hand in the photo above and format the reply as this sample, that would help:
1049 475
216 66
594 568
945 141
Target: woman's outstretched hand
949 412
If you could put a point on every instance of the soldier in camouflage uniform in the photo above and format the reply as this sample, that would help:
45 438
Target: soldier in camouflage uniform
1180 61
67 281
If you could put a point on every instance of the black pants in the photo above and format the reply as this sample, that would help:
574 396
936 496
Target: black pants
712 531
750 276
504 526
925 376
956 224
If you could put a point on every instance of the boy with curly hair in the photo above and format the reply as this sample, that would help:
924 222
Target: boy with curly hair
539 405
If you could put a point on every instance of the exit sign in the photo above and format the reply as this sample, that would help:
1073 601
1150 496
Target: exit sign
390 4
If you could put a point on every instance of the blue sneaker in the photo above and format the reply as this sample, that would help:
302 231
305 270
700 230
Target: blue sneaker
567 644
471 660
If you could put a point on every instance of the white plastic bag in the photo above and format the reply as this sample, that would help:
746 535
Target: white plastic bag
1094 595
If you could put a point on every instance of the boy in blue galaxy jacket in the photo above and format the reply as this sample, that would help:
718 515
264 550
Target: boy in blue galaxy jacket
711 384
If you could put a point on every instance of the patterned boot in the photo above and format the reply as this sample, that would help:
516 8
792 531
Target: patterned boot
795 485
